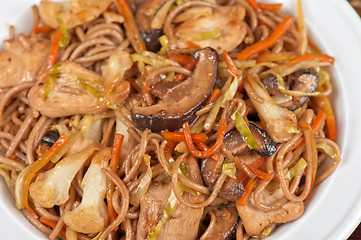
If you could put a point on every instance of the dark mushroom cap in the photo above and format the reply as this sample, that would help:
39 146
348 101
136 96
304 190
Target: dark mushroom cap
236 145
151 39
50 138
231 189
181 103
271 84
303 80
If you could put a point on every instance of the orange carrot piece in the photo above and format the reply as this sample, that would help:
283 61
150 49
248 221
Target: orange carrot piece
146 89
248 189
279 31
254 4
260 174
204 147
330 119
117 146
212 150
320 118
180 58
215 94
276 57
256 164
39 30
192 45
232 68
131 27
39 164
270 7
179 137
51 224
54 49
311 56
114 164
30 209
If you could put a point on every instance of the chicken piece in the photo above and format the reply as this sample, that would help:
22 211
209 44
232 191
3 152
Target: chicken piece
184 221
72 13
255 220
67 94
212 31
22 60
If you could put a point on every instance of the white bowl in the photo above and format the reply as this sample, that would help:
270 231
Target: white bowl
334 208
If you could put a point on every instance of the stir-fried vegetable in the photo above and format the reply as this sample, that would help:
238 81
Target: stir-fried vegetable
51 80
144 183
170 207
212 150
91 216
131 27
229 168
53 53
26 175
65 35
179 137
249 187
52 187
243 129
296 169
280 30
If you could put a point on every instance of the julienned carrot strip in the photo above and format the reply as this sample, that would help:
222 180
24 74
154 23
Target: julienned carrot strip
311 56
117 146
179 137
248 189
192 45
39 164
232 68
146 89
270 7
260 174
41 29
320 118
212 150
215 94
190 66
180 58
54 49
30 209
256 164
279 31
114 164
254 4
276 57
330 118
131 27
51 224
204 147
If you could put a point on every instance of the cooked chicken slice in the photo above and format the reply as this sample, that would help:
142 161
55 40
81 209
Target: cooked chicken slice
255 220
184 221
22 60
67 89
212 31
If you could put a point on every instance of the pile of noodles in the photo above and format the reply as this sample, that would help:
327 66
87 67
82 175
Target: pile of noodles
91 44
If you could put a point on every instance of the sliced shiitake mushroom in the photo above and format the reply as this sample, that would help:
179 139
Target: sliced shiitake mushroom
179 105
303 80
